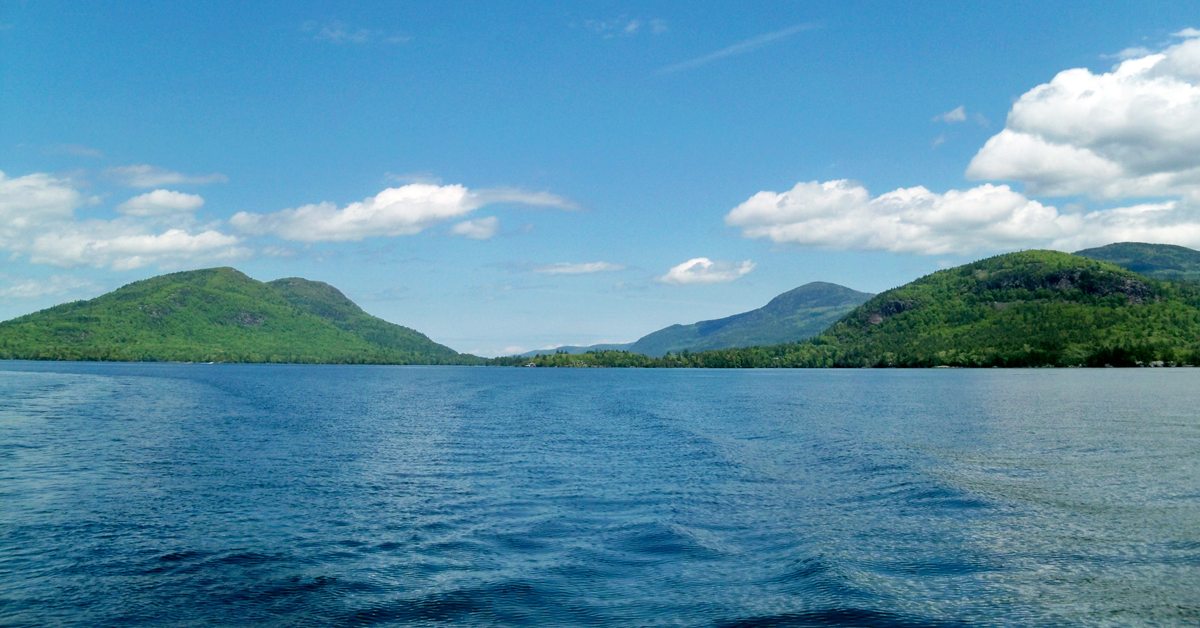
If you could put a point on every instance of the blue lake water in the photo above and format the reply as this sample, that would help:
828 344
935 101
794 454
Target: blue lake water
176 494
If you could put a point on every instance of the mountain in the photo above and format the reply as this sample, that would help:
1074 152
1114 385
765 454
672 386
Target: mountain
1033 308
219 314
1161 261
794 315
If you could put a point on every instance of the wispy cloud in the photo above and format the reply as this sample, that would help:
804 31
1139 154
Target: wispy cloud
487 196
625 26
582 268
477 229
74 150
147 176
742 47
1133 52
48 286
404 178
339 33
957 114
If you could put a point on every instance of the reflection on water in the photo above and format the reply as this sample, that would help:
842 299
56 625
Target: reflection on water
308 495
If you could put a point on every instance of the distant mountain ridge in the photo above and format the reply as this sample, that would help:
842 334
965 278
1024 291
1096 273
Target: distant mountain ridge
1161 261
1032 308
219 314
795 315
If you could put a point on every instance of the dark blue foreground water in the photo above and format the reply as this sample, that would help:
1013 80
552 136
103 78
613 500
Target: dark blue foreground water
302 495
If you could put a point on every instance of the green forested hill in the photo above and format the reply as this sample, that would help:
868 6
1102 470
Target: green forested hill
1024 309
1161 261
218 314
1032 308
795 315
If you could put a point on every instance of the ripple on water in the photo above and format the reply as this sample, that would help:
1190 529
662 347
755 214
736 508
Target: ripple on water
177 494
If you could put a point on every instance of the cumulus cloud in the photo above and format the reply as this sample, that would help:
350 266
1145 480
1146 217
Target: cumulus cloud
122 246
842 214
147 176
396 211
477 229
581 268
1187 33
701 270
1128 133
161 202
37 219
34 199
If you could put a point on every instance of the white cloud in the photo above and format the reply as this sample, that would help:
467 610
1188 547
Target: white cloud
742 47
489 196
957 114
46 286
403 210
700 270
477 229
1128 133
122 246
32 200
987 218
582 268
1187 33
161 202
1132 52
147 176
396 211
37 219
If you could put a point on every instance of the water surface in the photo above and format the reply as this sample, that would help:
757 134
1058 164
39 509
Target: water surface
318 495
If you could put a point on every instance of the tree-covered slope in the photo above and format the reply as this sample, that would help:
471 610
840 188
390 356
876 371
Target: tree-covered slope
216 314
792 316
1161 261
327 302
1029 308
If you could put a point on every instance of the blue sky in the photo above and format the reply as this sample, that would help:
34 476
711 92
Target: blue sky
513 176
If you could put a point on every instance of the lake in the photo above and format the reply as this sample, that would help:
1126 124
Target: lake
149 494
